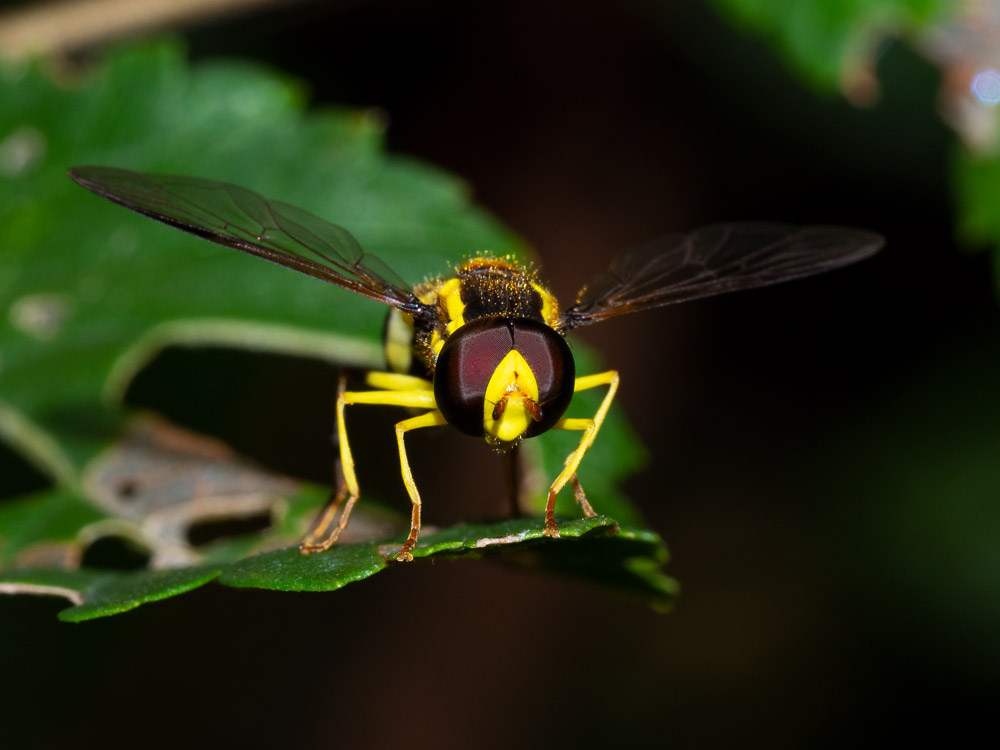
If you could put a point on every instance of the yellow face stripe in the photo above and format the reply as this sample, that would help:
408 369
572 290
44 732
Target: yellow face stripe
450 299
512 383
550 307
436 343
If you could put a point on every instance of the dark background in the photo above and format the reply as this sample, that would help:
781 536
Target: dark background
799 436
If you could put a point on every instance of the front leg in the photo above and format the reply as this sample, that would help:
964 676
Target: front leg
590 429
324 534
431 419
400 390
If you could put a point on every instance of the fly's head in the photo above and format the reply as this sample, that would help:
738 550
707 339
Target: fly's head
504 379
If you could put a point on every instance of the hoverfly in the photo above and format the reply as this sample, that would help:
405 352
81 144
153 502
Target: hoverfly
482 348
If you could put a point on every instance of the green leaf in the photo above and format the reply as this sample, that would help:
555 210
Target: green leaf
91 293
44 524
821 39
113 593
624 558
977 185
290 570
99 594
90 287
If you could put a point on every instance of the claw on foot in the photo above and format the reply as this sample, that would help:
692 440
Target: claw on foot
405 554
323 533
308 549
551 530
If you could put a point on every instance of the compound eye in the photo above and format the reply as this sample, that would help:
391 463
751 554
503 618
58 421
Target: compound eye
551 362
464 367
469 360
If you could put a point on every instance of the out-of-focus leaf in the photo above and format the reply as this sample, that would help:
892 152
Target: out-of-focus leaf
977 187
87 285
977 182
90 293
44 528
826 42
823 41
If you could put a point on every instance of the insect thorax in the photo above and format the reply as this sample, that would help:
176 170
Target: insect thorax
483 287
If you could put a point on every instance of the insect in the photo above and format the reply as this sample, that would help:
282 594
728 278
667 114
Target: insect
483 348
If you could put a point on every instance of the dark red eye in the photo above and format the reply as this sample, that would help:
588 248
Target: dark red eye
471 355
464 368
552 363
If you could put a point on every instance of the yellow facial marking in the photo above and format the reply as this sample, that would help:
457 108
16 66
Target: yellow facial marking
436 343
450 299
550 307
513 384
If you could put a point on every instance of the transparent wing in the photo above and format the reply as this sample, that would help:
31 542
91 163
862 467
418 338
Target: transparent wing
243 220
712 260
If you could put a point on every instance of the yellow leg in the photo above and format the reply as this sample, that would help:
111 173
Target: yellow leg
393 381
430 419
401 390
320 535
590 428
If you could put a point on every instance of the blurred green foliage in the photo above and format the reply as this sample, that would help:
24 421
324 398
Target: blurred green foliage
977 188
85 281
820 40
827 42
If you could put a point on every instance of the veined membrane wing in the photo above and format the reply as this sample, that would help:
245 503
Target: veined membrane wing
712 260
243 220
